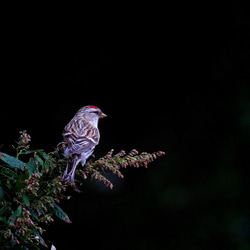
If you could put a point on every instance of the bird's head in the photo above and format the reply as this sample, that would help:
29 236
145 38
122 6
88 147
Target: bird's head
92 114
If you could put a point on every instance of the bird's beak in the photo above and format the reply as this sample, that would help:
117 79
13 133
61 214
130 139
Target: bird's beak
102 115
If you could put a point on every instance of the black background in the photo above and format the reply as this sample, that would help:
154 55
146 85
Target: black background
174 79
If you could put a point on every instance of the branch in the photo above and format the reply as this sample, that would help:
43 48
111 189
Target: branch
114 163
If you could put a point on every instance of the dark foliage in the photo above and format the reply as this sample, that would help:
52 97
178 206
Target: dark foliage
31 189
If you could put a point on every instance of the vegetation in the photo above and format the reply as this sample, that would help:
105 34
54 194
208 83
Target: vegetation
31 189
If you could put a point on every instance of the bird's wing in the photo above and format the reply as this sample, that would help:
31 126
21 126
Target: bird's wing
80 136
80 128
81 144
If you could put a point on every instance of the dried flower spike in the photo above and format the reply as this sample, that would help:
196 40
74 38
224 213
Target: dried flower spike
113 163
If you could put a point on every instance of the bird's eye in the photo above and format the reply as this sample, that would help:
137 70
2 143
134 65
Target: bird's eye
95 112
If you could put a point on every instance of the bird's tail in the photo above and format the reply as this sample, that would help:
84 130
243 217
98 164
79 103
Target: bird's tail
70 169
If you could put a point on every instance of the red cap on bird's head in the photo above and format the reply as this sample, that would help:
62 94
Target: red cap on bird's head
94 107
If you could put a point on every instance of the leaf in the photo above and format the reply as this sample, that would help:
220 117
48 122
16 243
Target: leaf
16 214
18 211
1 193
12 219
39 159
12 161
20 181
60 213
48 165
33 213
31 151
39 237
32 166
26 200
9 185
3 209
43 154
3 219
7 172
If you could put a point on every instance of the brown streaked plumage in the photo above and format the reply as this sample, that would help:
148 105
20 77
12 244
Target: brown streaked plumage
81 135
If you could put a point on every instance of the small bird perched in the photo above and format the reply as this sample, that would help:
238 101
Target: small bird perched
81 135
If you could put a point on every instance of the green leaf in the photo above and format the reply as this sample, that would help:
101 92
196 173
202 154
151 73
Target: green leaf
3 219
8 173
33 213
43 154
31 151
16 214
18 211
26 200
60 213
32 166
12 219
40 192
20 181
39 159
12 161
48 165
9 185
3 209
1 193
40 237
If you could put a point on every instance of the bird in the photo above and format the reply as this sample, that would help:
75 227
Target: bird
81 135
